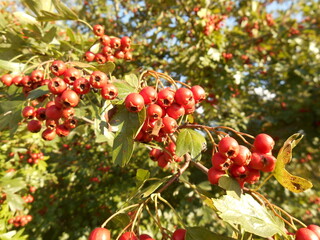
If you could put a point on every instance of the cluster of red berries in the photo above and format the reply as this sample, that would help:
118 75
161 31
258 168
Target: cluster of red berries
164 157
312 232
104 234
3 198
240 162
28 199
67 85
227 56
31 158
111 48
163 109
213 23
20 221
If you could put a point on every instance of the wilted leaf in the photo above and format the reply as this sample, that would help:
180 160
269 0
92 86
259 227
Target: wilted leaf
293 183
248 213
190 141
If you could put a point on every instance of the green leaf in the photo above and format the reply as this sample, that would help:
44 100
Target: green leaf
48 37
142 175
12 185
190 141
12 66
25 18
107 67
124 90
8 235
230 185
128 125
201 233
66 12
249 214
293 183
36 6
152 188
102 133
38 92
49 16
15 202
132 80
95 48
121 220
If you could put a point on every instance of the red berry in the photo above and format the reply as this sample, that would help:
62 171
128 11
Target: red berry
70 98
98 30
214 175
190 107
148 125
243 157
7 79
98 79
62 130
57 85
154 154
81 86
26 81
71 74
263 143
119 54
263 162
17 80
315 229
51 124
198 93
228 147
125 41
306 234
109 91
105 40
28 112
67 112
149 95
89 56
71 123
48 134
163 160
100 58
179 234
58 102
169 125
134 102
175 111
220 162
154 112
128 56
53 113
183 96
237 171
110 58
100 234
58 67
34 126
106 50
128 236
253 176
166 97
115 43
37 76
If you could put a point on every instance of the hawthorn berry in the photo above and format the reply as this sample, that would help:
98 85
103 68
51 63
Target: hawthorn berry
71 74
190 107
154 111
119 54
214 175
125 41
239 171
306 234
34 126
163 160
100 58
115 43
183 96
98 30
37 76
128 56
220 162
58 67
69 98
28 112
81 85
179 234
58 102
228 147
169 125
105 40
71 123
99 234
48 134
109 91
253 176
62 130
106 50
198 93
7 79
134 102
128 236
175 111
57 85
149 95
89 56
154 154
110 58
98 79
26 81
243 157
315 229
53 113
17 80
51 124
67 112
166 97
263 143
263 162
